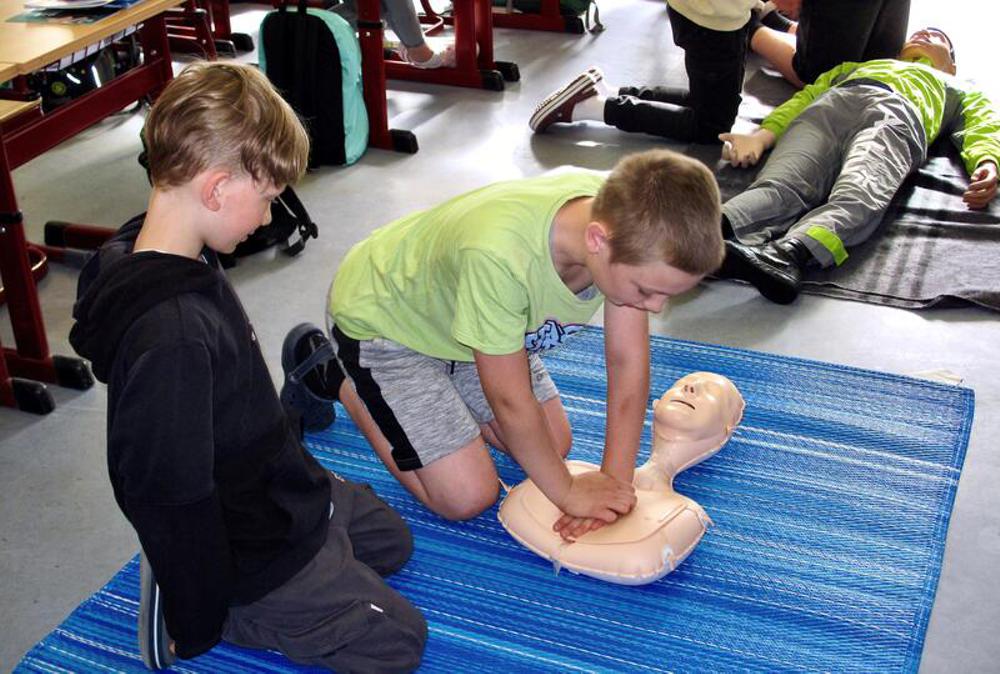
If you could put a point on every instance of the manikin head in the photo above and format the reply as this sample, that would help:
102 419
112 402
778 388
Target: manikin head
931 44
700 406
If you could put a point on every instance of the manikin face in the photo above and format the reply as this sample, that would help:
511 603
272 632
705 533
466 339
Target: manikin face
930 43
698 406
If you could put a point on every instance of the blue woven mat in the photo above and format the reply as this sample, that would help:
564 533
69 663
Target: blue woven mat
831 505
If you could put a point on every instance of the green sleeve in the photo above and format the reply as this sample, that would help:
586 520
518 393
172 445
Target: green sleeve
977 134
783 115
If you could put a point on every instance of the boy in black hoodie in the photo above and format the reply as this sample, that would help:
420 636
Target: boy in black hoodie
249 538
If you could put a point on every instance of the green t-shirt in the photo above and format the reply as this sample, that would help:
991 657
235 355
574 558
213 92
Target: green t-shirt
475 272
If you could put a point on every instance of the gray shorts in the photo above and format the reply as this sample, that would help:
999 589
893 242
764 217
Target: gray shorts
427 408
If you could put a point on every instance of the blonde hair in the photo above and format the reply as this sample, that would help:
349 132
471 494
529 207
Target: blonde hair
228 115
662 206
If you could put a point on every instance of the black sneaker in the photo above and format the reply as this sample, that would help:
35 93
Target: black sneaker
154 642
312 376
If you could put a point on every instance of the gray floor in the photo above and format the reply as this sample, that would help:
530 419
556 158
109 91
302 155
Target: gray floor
61 536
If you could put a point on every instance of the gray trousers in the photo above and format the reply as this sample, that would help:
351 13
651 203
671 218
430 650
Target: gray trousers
836 168
338 612
400 15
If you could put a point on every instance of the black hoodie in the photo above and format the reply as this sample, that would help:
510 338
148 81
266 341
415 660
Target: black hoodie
204 463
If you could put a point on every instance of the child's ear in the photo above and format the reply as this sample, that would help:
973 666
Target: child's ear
213 186
596 235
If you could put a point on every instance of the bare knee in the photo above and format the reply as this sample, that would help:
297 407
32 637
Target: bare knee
465 501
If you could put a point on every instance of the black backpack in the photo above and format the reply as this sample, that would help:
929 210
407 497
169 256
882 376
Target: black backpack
290 227
302 60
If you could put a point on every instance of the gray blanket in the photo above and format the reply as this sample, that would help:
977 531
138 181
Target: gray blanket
930 251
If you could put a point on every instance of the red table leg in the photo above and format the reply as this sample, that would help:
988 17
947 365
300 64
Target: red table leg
373 73
29 363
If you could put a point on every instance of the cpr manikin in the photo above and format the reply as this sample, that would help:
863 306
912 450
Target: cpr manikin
691 422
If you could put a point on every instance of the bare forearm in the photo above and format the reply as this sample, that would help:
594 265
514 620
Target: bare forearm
626 412
526 435
626 354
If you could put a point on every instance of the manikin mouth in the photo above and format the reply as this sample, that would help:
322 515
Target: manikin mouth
682 402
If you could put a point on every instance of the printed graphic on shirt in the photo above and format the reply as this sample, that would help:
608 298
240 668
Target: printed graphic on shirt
551 334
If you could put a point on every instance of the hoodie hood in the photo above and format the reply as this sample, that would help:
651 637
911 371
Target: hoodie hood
116 288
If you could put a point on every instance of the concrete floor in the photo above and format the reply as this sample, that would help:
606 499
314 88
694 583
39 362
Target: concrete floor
61 535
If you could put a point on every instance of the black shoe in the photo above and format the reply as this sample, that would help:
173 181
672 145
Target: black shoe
774 269
154 642
312 376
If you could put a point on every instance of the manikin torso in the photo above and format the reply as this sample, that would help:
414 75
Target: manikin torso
691 422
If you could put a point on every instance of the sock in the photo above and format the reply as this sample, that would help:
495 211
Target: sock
605 90
772 18
591 109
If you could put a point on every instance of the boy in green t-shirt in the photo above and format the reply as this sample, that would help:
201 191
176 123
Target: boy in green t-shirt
438 319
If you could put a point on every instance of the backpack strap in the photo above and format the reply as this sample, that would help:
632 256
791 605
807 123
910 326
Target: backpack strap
305 227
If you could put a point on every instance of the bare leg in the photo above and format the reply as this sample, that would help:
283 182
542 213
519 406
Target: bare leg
458 486
778 49
560 434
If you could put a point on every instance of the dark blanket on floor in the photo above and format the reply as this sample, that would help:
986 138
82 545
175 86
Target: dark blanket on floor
930 251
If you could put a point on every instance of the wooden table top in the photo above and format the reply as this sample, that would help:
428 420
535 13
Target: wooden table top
31 46
7 72
11 109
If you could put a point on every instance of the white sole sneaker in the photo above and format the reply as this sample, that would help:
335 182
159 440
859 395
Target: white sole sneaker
154 642
558 105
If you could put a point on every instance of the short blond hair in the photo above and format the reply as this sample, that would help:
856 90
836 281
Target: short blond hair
661 206
226 115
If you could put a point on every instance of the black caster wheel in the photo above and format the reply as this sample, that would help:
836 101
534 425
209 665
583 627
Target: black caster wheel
509 71
72 373
55 233
242 41
32 396
492 80
574 24
403 141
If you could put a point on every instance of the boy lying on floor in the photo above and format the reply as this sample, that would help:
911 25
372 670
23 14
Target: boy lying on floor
842 148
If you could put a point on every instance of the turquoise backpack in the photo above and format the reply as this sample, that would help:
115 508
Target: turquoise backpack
313 58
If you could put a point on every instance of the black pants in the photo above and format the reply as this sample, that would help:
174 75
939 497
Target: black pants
715 62
834 31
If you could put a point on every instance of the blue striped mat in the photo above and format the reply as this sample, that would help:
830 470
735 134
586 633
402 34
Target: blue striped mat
831 505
